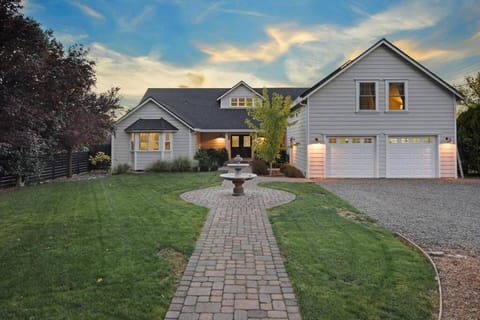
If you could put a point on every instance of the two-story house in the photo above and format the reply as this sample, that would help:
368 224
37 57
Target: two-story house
380 115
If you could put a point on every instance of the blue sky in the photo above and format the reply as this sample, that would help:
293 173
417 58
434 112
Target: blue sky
197 43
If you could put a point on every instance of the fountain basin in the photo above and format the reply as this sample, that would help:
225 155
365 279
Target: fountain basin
238 180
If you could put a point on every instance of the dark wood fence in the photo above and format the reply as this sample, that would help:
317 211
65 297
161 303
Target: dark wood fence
53 168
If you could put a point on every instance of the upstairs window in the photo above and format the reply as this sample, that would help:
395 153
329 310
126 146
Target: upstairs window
397 95
241 102
367 96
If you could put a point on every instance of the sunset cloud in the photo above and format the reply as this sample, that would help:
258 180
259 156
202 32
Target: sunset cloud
87 10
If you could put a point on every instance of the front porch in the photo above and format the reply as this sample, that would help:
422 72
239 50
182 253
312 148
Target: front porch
234 142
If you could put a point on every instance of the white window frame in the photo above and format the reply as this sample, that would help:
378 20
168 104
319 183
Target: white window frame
161 141
387 95
245 99
165 141
357 95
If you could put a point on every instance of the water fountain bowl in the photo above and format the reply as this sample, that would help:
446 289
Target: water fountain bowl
237 177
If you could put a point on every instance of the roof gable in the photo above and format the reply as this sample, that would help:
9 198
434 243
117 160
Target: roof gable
240 83
144 125
351 63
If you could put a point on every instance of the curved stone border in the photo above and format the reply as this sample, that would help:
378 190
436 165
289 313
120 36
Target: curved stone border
437 275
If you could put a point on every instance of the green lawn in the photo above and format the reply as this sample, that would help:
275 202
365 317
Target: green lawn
348 269
113 248
109 248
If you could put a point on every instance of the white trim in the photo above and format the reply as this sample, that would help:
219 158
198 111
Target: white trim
367 52
158 105
190 144
438 156
112 149
307 140
239 107
386 155
225 130
377 158
357 95
455 134
241 82
387 95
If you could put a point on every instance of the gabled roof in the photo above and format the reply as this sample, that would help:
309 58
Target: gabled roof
351 63
199 108
142 125
240 83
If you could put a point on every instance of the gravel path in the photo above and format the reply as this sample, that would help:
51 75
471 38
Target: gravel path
434 213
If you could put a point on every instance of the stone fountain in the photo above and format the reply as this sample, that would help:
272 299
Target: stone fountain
237 177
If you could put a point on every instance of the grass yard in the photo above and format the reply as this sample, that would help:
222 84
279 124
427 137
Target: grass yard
109 248
348 268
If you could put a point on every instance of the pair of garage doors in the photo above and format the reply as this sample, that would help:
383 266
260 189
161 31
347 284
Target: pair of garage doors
356 157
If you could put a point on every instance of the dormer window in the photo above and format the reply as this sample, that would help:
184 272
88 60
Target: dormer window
241 102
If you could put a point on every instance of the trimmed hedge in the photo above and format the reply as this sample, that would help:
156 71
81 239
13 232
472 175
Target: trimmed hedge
291 171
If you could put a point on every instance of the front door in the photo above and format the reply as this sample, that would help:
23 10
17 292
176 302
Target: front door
241 145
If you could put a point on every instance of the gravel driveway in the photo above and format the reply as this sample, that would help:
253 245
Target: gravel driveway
434 213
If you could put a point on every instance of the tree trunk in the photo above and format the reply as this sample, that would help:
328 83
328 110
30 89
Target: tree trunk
271 167
69 162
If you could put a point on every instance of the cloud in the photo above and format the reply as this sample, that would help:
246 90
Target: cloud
134 74
280 41
217 7
87 10
29 7
129 24
207 11
68 39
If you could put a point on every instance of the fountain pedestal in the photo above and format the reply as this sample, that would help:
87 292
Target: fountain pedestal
238 178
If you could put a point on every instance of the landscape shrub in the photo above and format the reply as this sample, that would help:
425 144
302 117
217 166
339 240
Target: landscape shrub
121 168
160 166
291 171
210 159
259 167
100 161
181 164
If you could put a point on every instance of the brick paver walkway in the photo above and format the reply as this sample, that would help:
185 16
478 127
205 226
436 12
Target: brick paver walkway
236 271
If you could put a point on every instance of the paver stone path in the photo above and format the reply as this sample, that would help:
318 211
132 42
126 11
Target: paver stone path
236 270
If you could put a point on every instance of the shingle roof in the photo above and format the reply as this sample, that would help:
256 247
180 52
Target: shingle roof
150 125
200 108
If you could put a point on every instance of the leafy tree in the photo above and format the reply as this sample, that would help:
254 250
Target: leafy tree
468 126
46 103
269 120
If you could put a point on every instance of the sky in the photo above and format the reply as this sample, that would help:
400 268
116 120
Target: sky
198 43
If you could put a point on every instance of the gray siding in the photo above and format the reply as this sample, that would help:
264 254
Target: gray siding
430 106
121 142
299 132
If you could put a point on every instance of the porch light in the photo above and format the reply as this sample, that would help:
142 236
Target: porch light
448 140
318 140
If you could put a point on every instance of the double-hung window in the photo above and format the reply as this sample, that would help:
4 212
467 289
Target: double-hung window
367 96
396 95
149 141
167 141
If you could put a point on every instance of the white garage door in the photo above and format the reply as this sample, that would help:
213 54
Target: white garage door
411 157
351 157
